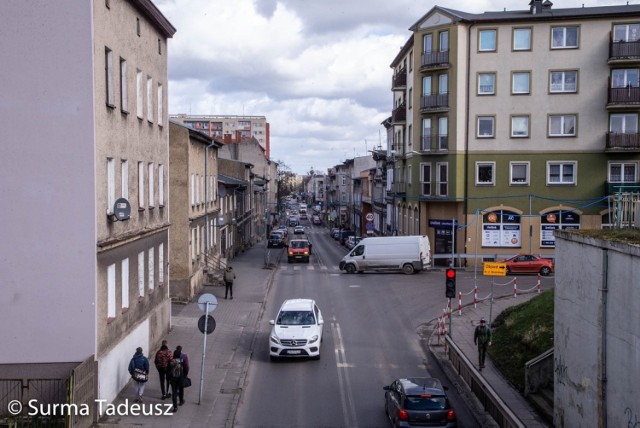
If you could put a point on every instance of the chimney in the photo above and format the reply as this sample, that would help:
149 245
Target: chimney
535 6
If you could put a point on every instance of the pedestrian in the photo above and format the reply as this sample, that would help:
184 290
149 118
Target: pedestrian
178 371
229 276
139 370
482 338
162 360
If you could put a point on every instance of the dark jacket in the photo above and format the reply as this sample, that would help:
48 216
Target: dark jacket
163 358
229 275
482 335
139 361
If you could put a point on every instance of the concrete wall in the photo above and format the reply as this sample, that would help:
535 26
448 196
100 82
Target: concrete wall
597 333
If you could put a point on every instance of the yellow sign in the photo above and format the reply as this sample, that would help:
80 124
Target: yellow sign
494 269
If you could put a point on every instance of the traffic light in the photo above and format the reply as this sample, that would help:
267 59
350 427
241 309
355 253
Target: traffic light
450 283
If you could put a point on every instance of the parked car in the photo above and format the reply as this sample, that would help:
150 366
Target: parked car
297 330
298 230
298 249
529 263
277 239
418 401
352 241
284 229
334 232
316 220
344 235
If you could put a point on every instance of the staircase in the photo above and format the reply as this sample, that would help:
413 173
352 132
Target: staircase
542 401
539 384
214 268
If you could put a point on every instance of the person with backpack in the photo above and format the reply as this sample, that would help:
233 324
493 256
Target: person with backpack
482 338
139 371
178 371
162 360
229 276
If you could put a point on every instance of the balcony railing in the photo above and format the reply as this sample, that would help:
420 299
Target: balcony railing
399 114
435 60
434 102
399 80
434 143
617 140
622 50
628 95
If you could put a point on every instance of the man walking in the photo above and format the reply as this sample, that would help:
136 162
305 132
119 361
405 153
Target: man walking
163 357
229 276
482 338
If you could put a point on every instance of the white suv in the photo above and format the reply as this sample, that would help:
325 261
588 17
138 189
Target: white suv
297 331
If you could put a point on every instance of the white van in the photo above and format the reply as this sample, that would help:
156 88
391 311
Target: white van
406 253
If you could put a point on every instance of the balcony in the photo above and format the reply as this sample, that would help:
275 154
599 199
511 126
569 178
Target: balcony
628 96
399 187
434 60
399 114
624 52
399 80
434 103
619 142
612 188
435 144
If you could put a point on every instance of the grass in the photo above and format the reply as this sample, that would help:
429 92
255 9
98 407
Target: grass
627 235
521 333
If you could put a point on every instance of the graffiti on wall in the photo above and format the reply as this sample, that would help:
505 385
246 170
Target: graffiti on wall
632 418
560 370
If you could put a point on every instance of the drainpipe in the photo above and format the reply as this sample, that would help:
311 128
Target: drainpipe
465 204
603 339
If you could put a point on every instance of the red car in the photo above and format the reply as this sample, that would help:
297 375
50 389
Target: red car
528 263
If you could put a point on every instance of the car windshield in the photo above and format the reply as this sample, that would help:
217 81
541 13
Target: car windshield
296 318
298 244
417 402
276 236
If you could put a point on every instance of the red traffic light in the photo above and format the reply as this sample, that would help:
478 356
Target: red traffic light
451 273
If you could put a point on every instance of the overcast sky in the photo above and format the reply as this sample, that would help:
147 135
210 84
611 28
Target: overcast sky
317 69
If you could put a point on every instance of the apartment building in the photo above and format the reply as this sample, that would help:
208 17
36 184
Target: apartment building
230 128
517 123
86 231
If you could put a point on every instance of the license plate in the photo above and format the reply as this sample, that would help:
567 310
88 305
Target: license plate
294 352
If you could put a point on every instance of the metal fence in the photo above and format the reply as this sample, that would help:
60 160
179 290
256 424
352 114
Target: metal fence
625 209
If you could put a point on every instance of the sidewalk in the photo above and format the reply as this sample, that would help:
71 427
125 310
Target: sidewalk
462 328
228 352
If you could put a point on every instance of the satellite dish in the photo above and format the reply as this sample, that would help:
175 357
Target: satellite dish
122 209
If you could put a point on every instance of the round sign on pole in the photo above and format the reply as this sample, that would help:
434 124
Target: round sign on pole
211 324
207 298
369 216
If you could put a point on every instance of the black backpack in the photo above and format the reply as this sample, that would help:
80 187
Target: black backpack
176 368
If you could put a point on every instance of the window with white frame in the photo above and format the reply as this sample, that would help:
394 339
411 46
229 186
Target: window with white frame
161 264
564 37
141 274
425 179
149 98
160 104
152 190
194 244
108 58
520 82
486 126
139 95
625 77
485 173
408 171
563 172
519 173
443 84
111 291
487 40
111 185
443 133
486 83
141 184
442 179
124 86
193 189
563 81
197 190
124 178
623 172
161 185
522 39
519 126
623 123
444 41
124 279
151 268
426 134
427 43
562 125
626 32
426 86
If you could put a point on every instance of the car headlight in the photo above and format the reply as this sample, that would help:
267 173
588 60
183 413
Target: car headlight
275 339
313 339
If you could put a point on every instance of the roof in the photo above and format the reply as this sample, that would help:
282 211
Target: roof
156 17
297 305
231 181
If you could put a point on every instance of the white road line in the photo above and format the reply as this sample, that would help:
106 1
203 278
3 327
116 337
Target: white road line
346 397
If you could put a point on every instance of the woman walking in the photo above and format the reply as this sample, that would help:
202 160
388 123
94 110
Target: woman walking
139 370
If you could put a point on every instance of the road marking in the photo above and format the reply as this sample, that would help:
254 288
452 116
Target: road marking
346 397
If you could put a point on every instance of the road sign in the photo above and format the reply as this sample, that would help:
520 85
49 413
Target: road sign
207 298
370 226
369 216
211 324
494 269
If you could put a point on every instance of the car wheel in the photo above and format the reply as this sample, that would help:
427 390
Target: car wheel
544 271
350 268
408 269
289 261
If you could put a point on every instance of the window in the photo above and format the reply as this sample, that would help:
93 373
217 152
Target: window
161 185
563 81
443 133
410 98
623 123
124 275
520 82
138 26
443 84
444 41
197 189
111 185
159 46
410 61
485 173
442 179
487 40
141 184
152 192
151 269
426 85
111 291
486 83
522 39
410 136
193 189
562 125
161 263
428 43
124 86
141 274
139 95
519 126
623 172
501 229
561 172
425 178
108 58
408 170
564 37
124 179
486 126
626 32
426 134
149 99
519 173
624 77
160 105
